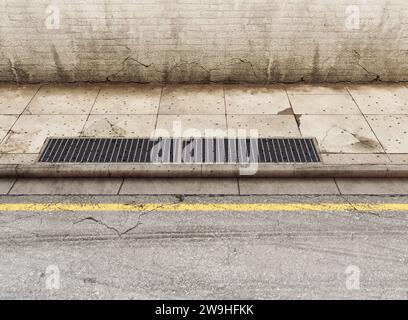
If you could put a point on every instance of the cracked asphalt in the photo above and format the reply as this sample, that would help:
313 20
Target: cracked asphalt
204 255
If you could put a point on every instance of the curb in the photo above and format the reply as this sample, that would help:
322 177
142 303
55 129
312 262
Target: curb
203 171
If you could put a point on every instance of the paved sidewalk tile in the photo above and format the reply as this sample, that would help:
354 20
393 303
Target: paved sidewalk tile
271 186
66 186
391 131
15 98
63 99
192 99
180 186
30 131
5 185
373 186
354 158
257 100
128 99
191 126
128 126
316 89
6 122
323 104
338 133
398 158
266 125
21 158
381 99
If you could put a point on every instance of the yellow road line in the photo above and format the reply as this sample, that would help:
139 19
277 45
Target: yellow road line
199 207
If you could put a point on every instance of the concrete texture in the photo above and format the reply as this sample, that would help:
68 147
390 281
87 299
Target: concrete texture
204 255
127 99
192 100
383 99
126 170
14 99
6 122
256 100
323 104
180 186
123 125
391 131
373 186
6 185
63 99
204 186
66 186
28 133
267 126
340 134
288 186
187 126
165 41
356 158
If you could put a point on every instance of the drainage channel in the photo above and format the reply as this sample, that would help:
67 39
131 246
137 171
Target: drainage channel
194 150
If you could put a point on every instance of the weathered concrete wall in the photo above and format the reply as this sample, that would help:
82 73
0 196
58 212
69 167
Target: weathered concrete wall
203 40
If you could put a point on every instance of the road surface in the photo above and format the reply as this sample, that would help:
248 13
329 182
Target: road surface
89 247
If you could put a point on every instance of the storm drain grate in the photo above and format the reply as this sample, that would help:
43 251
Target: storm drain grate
121 150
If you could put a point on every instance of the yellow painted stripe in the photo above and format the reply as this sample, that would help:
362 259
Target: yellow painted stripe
207 207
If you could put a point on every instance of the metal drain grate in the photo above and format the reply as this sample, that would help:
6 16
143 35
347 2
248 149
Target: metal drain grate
118 150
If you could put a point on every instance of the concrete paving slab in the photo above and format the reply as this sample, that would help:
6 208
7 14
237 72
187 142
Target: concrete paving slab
101 170
66 186
30 131
128 99
63 99
225 170
5 185
128 126
350 158
316 89
323 104
391 131
272 170
257 100
6 122
381 99
340 133
22 158
398 158
277 186
389 186
192 99
191 126
267 125
15 98
180 186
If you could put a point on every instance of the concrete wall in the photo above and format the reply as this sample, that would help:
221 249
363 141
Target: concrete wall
171 41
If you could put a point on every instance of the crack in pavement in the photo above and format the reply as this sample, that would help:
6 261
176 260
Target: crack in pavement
356 210
100 223
119 233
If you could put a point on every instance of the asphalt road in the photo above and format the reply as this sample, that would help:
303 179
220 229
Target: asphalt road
221 254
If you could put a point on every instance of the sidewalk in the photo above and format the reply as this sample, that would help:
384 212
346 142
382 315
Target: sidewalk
361 130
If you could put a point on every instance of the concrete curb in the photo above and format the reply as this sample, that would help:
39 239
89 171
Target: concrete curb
198 171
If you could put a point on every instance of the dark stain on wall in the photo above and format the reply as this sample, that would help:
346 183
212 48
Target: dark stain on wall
62 75
315 75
